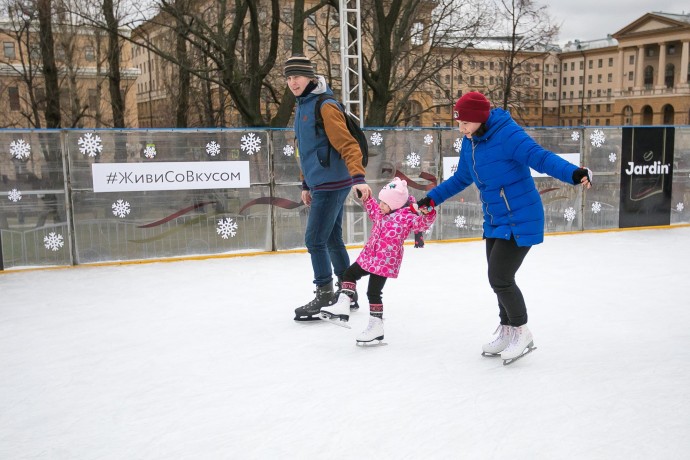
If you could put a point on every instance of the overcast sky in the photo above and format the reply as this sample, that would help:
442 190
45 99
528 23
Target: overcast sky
592 19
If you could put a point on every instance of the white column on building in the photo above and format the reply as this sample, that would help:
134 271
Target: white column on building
639 73
661 74
619 72
684 62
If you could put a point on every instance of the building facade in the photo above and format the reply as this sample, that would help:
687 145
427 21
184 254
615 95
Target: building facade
636 76
83 78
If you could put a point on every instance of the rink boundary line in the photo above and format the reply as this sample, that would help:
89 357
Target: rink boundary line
304 250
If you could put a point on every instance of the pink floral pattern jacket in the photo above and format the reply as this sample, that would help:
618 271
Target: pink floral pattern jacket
383 253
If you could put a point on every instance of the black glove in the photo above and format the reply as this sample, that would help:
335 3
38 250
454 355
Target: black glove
426 203
579 173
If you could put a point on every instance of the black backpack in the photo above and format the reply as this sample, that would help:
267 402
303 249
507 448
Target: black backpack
352 126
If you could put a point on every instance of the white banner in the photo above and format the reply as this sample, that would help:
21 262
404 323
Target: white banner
128 177
450 164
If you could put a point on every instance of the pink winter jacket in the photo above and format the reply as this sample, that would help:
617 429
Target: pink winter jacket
383 253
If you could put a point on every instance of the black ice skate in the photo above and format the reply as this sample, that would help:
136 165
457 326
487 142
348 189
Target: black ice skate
310 311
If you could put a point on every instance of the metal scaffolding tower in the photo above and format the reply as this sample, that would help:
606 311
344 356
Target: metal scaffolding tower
351 57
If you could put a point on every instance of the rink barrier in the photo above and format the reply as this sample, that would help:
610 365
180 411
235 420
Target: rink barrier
53 214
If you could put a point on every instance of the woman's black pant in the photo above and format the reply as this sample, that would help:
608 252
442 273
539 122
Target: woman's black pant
504 258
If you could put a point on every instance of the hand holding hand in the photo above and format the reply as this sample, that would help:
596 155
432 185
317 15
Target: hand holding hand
426 205
583 176
363 191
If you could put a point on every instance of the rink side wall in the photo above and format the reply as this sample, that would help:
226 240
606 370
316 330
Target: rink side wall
70 197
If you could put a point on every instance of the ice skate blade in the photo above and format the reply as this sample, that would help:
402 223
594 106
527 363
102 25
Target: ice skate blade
306 319
527 351
377 342
338 321
486 354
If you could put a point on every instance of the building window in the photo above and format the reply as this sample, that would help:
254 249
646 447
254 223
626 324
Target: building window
600 63
589 79
13 93
9 50
600 78
335 44
610 77
336 70
311 42
41 98
590 64
610 62
93 100
89 54
671 49
630 76
631 60
572 66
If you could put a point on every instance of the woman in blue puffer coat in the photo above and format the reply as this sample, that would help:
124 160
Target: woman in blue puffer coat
496 156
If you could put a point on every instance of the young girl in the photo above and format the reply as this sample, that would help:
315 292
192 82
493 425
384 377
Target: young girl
381 257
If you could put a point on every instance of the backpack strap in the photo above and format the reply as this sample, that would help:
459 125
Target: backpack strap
317 109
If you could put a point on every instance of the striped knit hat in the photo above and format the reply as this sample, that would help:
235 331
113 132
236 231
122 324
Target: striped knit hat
299 64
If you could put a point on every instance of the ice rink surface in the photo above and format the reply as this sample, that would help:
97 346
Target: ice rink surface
202 359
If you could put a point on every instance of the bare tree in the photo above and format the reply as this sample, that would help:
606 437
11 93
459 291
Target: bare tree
406 43
528 32
26 64
50 70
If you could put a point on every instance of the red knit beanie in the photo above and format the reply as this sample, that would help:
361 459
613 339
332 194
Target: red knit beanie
472 107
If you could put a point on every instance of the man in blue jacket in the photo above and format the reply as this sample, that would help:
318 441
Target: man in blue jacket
331 164
497 155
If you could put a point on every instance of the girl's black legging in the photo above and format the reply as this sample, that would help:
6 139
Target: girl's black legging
504 258
376 282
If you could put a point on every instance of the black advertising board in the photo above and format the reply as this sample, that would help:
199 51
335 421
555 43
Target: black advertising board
646 177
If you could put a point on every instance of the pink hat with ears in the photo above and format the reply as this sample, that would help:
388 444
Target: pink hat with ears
395 194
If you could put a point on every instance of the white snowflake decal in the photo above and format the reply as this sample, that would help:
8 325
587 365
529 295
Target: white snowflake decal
53 241
288 150
20 149
226 227
14 195
596 207
460 221
250 143
428 139
376 139
121 208
213 148
150 151
597 138
569 214
413 160
575 135
90 145
612 157
680 206
457 145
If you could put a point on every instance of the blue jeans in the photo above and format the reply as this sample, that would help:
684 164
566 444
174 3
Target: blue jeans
324 235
